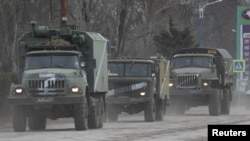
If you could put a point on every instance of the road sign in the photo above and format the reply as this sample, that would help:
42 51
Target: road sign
239 66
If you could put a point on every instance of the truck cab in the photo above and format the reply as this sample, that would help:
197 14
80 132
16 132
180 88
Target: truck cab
134 86
62 73
199 77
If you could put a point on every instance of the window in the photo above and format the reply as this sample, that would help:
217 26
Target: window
52 61
132 69
192 61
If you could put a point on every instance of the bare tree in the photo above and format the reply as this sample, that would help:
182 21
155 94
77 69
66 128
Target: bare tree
127 24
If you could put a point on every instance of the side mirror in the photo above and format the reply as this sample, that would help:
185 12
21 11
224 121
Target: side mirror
213 67
153 75
82 64
156 69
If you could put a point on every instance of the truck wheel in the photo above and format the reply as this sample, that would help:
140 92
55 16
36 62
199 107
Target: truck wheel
19 119
159 110
169 110
81 115
225 102
214 104
105 116
94 113
112 113
179 108
102 110
149 112
165 107
36 122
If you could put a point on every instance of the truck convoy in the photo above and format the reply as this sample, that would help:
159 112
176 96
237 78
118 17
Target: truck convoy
201 76
137 85
62 73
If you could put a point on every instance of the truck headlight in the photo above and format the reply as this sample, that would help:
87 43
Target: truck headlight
17 91
205 83
142 93
76 90
171 84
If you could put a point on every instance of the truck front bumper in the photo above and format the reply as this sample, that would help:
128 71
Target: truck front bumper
45 100
192 98
191 92
126 100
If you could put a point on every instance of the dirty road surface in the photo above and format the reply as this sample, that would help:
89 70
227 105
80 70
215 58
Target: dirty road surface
189 127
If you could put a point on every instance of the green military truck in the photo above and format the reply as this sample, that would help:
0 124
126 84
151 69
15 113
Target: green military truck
137 85
201 76
62 73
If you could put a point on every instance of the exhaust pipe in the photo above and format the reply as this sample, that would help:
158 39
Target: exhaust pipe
33 26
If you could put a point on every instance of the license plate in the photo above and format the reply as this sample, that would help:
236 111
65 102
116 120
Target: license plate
134 99
193 91
45 99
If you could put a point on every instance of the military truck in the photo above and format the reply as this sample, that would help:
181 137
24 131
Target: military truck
200 77
136 85
62 73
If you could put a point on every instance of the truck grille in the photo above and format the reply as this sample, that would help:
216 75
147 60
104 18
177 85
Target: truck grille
46 87
187 80
34 84
126 88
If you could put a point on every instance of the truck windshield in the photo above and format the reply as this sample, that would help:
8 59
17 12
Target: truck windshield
52 61
192 61
133 69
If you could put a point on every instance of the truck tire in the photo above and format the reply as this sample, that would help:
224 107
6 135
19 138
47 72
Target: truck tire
159 110
169 111
149 112
166 105
214 104
36 122
94 113
176 107
19 118
225 102
105 116
179 107
112 113
81 115
102 110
